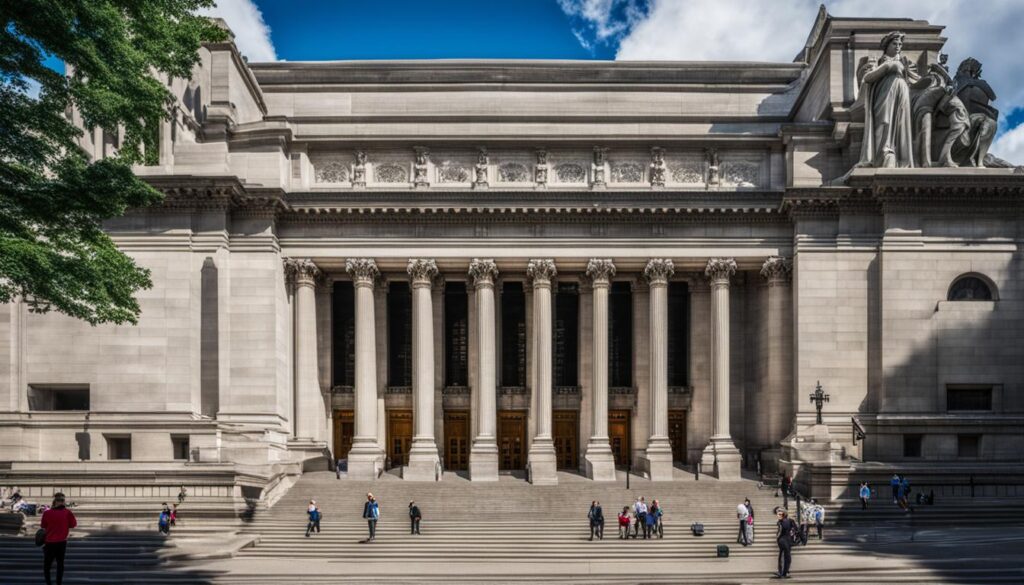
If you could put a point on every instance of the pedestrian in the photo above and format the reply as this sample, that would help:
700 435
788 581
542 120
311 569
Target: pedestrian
414 518
895 483
865 495
371 512
57 522
806 516
596 517
163 523
785 537
742 513
182 494
337 467
658 512
174 514
819 516
313 512
624 523
750 520
640 516
649 522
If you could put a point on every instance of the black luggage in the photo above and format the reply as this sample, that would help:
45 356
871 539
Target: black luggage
723 551
697 528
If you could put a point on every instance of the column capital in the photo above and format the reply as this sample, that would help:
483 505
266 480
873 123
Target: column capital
658 271
719 270
483 271
301 271
363 270
777 270
422 271
541 271
600 271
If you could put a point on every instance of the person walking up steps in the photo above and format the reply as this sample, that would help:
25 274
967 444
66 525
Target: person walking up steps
371 512
624 523
742 513
163 523
785 537
57 522
414 518
865 495
313 511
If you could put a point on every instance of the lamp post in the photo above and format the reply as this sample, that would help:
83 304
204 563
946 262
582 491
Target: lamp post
818 399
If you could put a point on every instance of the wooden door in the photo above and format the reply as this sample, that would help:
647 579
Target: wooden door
344 430
619 434
511 440
456 440
677 434
565 433
399 436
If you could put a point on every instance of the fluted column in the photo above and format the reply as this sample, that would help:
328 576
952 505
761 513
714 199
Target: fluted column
600 463
721 455
366 456
423 456
776 405
542 460
483 457
659 451
310 414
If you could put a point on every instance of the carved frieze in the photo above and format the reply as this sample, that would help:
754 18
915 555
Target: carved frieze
513 172
390 173
657 166
686 170
483 162
330 171
541 170
600 154
570 173
741 173
627 172
419 168
359 170
452 172
711 156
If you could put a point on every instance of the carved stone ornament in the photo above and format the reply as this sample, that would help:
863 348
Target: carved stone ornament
600 154
483 271
741 173
422 270
719 270
600 270
301 271
689 173
359 170
711 158
390 173
541 271
657 166
659 270
627 172
420 168
449 172
331 171
570 173
513 173
363 270
482 163
776 269
542 167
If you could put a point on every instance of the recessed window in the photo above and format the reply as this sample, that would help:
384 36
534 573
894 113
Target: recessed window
119 447
970 288
968 446
976 398
58 397
180 446
912 445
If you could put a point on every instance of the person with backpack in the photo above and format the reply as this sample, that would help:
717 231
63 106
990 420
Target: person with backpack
163 523
658 512
313 512
785 537
56 524
414 518
371 513
865 495
624 523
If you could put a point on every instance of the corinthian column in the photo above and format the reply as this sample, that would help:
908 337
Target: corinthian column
599 458
721 455
423 458
310 415
542 460
483 457
659 450
776 409
366 456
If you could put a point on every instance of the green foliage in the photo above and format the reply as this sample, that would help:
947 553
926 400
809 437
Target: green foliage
53 199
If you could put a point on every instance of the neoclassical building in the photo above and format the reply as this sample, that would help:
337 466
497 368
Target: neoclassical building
490 266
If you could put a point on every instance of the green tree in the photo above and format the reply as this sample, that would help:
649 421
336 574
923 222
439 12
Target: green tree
53 198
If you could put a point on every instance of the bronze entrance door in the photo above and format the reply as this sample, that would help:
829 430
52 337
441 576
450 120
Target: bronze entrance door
511 439
677 434
344 430
456 440
618 435
565 433
399 436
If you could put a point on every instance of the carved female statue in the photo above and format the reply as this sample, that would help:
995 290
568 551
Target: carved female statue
888 136
975 93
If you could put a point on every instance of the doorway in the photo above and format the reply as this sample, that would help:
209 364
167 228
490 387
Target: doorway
511 440
619 423
456 440
399 436
677 435
344 430
565 434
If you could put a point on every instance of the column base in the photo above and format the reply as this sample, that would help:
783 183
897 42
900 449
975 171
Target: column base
657 460
543 463
424 463
483 462
721 458
365 461
600 463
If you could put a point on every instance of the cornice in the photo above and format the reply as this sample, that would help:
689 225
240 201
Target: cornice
191 193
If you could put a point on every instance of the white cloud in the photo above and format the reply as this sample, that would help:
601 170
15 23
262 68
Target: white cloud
252 35
775 30
1010 146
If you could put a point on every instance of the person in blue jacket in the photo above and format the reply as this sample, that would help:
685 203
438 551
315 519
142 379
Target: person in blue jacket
371 512
313 511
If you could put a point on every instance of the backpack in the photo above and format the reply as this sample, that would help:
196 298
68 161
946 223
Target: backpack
40 537
164 520
697 529
723 551
794 533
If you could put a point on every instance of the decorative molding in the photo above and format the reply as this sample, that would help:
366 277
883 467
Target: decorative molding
483 161
570 173
422 271
711 159
740 173
627 172
600 155
301 272
658 271
363 270
483 271
420 179
541 271
777 270
449 172
330 171
456 391
359 170
541 171
720 270
513 172
657 166
600 270
390 173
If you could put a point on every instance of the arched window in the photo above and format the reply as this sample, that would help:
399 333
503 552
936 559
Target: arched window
971 287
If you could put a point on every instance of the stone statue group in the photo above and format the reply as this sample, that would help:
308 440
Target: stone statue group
932 120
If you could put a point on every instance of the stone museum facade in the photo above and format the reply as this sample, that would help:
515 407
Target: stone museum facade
490 266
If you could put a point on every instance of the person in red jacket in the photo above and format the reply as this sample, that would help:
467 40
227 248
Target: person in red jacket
57 522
